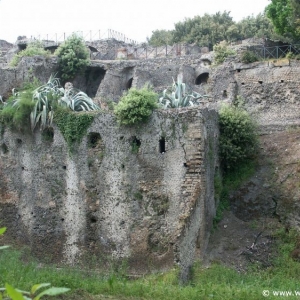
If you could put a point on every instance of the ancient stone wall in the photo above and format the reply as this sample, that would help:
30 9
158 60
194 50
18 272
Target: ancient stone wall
28 68
270 90
144 194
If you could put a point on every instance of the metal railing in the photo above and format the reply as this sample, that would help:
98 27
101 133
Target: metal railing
88 36
275 51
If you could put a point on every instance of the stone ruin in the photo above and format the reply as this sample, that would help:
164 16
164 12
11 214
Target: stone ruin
153 207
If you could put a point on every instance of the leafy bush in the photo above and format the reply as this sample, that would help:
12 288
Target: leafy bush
179 95
249 57
73 57
136 106
32 49
221 52
238 138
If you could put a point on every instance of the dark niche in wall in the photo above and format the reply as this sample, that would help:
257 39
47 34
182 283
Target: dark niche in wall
129 83
162 145
94 138
93 77
48 134
202 78
4 148
127 78
135 144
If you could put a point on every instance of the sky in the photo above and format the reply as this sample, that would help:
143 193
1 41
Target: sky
136 19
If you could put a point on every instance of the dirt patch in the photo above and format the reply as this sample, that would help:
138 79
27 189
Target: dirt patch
237 243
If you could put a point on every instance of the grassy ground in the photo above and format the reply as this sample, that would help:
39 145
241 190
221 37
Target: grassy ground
215 282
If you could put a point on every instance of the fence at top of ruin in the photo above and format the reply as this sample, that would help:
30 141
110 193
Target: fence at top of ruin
88 36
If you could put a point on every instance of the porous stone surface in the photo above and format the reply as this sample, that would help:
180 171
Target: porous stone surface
151 204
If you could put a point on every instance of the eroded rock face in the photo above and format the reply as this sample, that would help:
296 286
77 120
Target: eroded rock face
270 90
273 190
144 194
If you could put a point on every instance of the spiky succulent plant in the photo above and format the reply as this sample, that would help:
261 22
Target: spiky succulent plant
179 95
49 94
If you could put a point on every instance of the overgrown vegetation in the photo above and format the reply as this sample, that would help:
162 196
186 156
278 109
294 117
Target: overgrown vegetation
136 106
36 105
221 52
32 49
179 95
73 57
72 125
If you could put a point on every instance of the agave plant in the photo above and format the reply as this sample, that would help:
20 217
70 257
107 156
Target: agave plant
44 97
77 100
179 96
47 95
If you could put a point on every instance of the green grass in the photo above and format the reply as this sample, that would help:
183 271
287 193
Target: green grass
215 282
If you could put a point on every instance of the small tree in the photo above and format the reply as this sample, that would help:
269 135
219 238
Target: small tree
73 57
136 106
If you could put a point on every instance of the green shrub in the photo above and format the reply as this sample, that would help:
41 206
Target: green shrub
238 138
73 57
32 49
136 106
222 51
249 57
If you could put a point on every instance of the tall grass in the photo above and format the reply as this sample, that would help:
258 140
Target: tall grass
215 282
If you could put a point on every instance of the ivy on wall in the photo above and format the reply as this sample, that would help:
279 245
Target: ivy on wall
73 125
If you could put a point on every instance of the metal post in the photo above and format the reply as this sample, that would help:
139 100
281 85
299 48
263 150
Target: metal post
276 52
90 35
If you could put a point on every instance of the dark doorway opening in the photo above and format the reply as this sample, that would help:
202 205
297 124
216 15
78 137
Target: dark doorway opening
202 78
